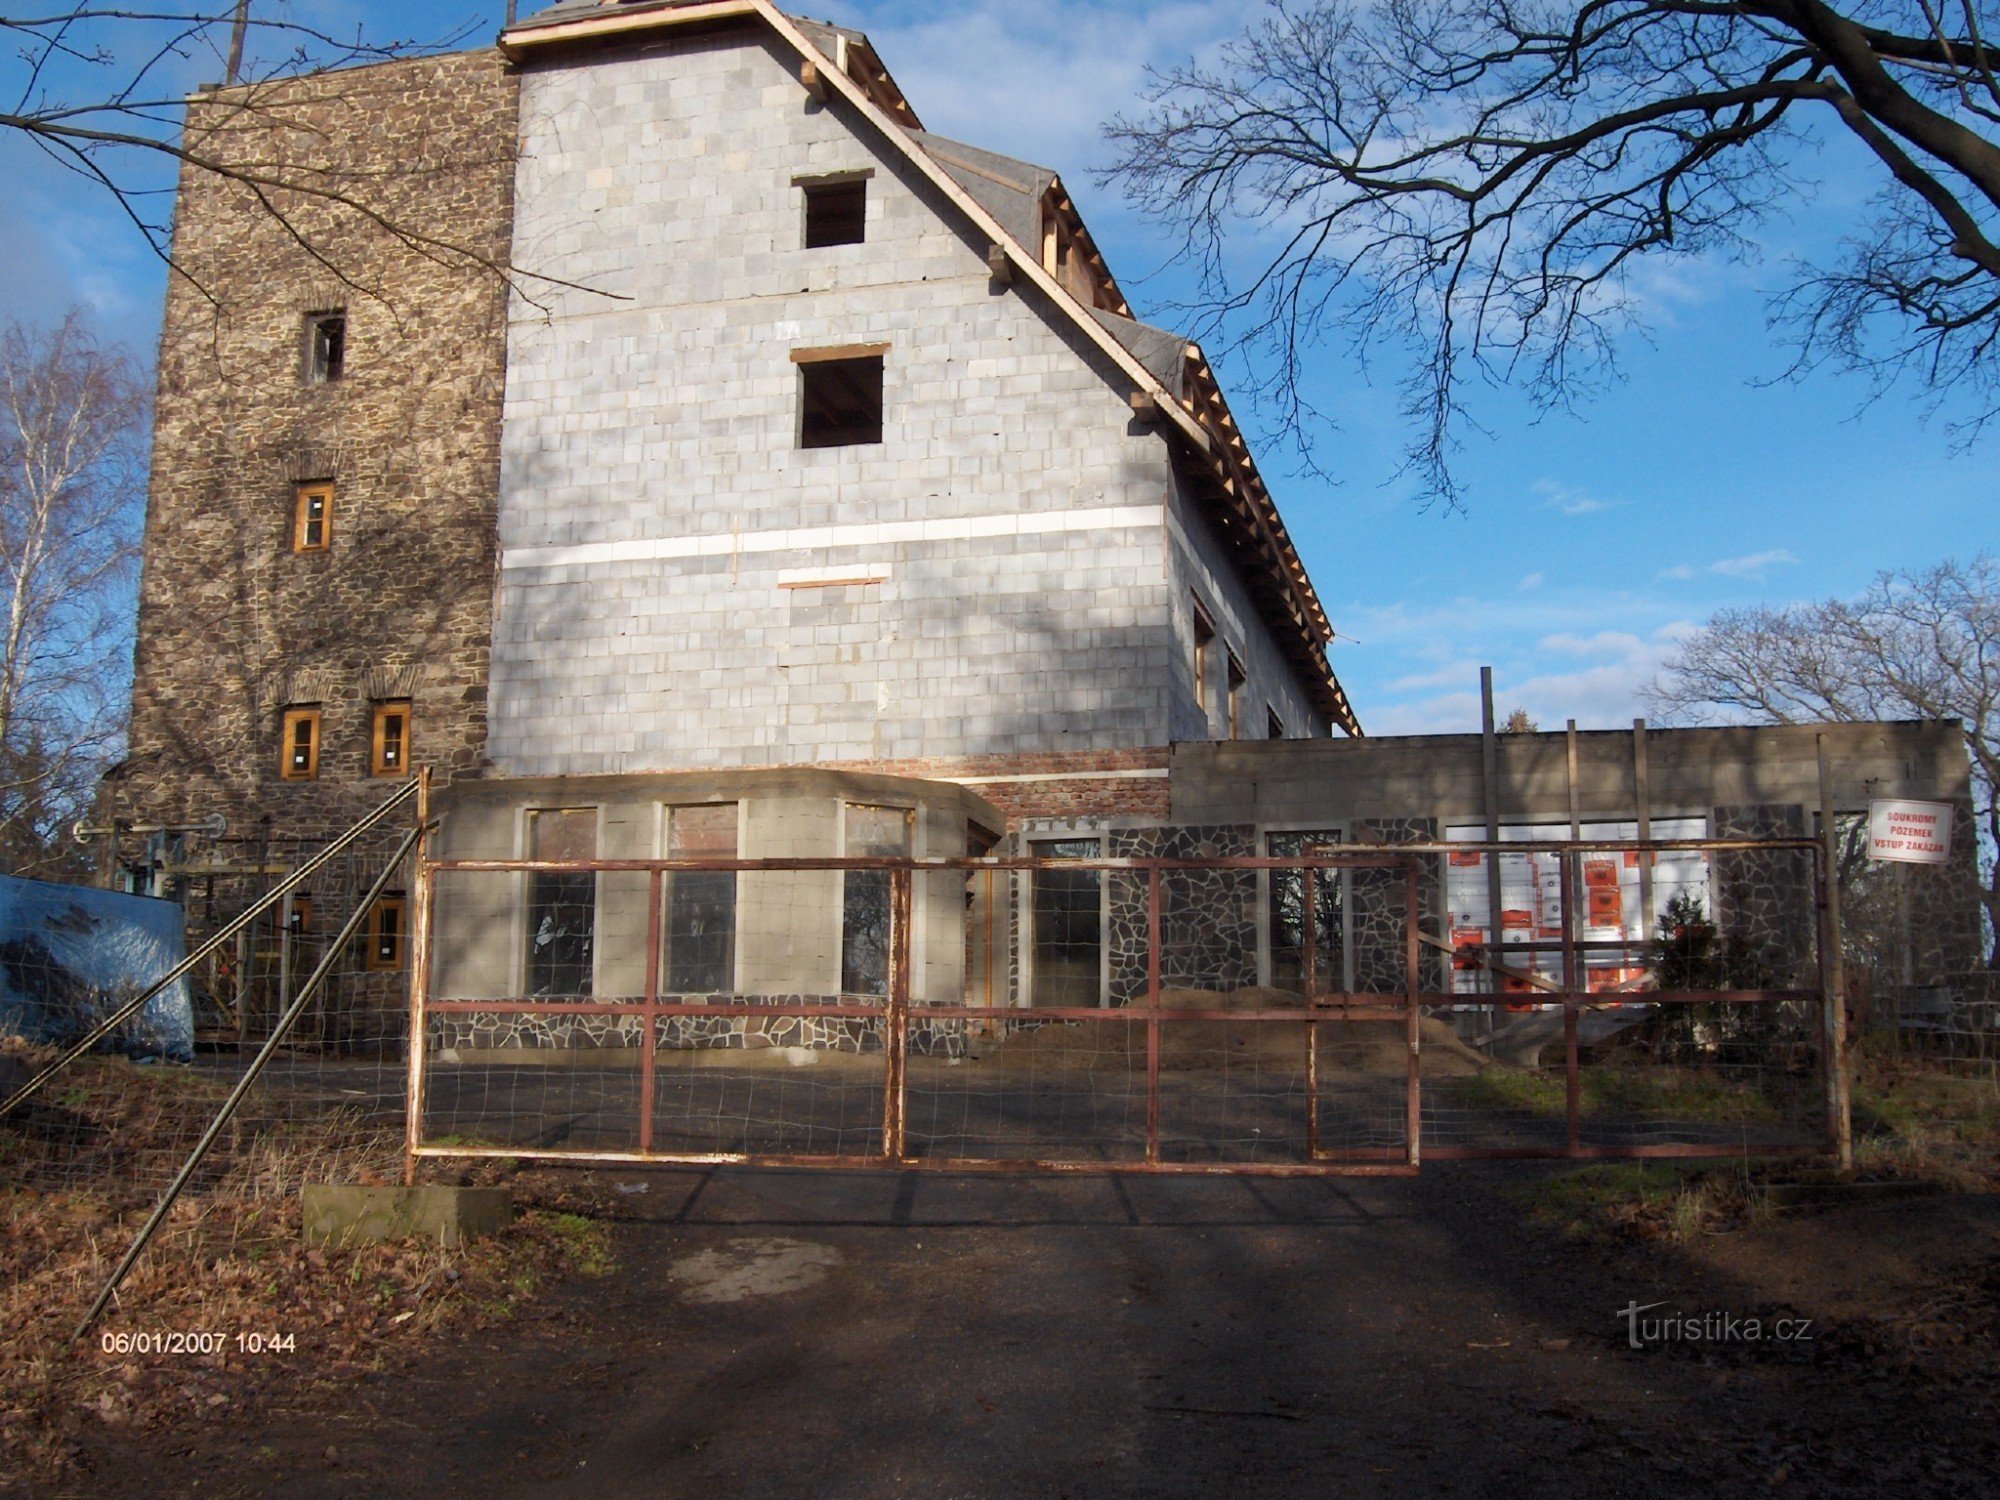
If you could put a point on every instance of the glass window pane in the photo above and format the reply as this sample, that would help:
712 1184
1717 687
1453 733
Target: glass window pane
879 833
1068 922
562 904
701 905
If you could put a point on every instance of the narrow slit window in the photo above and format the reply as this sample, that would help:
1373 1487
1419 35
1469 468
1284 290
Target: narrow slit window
865 921
388 930
562 904
840 401
836 213
299 731
312 516
700 921
1237 677
301 918
1066 915
389 753
1274 727
326 347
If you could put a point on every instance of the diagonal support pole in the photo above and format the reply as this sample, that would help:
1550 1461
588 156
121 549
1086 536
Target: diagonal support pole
186 966
349 930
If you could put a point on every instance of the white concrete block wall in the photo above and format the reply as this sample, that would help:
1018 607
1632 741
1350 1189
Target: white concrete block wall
656 512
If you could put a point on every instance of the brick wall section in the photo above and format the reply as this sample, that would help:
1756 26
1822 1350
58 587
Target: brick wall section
233 624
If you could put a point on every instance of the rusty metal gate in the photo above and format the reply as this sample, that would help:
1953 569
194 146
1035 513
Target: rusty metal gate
982 1015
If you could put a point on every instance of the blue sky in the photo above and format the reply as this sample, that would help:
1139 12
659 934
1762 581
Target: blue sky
1589 542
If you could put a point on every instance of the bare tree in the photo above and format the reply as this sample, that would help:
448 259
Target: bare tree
1922 645
72 419
1481 177
102 90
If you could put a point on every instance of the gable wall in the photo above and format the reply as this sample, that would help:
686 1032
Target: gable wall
654 498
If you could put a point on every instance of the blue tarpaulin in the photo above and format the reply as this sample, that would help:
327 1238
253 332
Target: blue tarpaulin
71 954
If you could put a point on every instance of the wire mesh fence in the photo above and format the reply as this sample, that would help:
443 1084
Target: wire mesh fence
313 936
1307 1011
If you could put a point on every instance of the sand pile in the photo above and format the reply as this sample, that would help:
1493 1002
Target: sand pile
1374 1047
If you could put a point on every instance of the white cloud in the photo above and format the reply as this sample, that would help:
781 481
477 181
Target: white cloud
1570 500
1753 565
1681 573
1531 582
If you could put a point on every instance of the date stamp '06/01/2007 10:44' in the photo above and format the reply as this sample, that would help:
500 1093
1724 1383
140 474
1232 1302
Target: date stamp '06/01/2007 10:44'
197 1342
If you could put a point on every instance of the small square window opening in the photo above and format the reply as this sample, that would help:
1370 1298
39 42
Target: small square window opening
299 737
389 751
840 402
836 213
312 516
326 347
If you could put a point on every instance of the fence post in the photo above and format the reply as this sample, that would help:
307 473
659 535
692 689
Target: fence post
1833 972
1152 1014
1413 1110
1572 1075
649 1044
895 1035
420 981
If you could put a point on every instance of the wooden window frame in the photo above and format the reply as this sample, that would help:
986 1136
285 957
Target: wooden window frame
302 916
303 494
1204 637
287 732
373 958
379 741
1235 680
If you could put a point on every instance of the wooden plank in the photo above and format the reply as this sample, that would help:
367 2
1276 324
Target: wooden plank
837 351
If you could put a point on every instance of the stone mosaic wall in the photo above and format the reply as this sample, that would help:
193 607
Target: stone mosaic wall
733 1031
1764 898
1208 918
1376 907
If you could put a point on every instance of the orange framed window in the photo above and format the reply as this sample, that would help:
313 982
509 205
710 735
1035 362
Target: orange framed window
388 932
299 745
301 919
312 516
1235 679
389 750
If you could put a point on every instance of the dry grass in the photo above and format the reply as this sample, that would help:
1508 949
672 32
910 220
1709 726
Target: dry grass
229 1261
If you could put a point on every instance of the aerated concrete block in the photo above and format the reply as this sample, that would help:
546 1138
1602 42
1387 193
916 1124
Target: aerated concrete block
349 1214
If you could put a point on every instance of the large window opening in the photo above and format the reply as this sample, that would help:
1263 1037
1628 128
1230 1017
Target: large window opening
1067 918
701 904
1289 910
836 213
865 918
1204 640
562 904
840 399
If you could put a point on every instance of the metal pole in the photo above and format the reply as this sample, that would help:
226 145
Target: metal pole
1572 1078
1309 977
1413 1119
649 1044
278 892
1833 1029
1152 1016
895 1040
420 982
1489 751
355 920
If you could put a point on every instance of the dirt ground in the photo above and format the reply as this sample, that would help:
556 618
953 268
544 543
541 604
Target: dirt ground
837 1334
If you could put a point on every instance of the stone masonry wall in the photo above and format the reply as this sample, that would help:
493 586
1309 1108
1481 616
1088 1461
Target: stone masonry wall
1765 897
233 623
